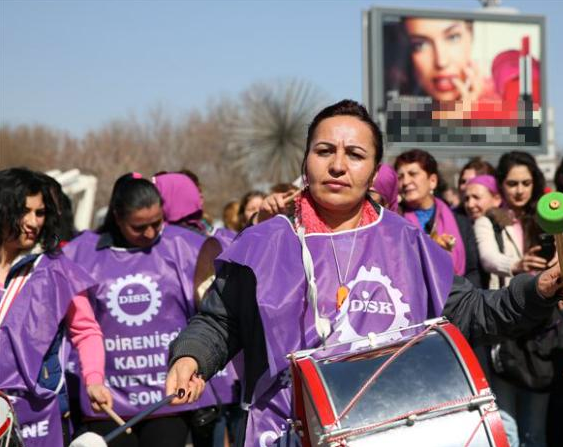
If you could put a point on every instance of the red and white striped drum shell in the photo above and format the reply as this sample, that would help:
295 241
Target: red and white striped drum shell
426 390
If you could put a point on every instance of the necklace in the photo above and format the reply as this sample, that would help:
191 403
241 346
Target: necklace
343 290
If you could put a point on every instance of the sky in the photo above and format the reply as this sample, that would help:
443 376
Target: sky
77 65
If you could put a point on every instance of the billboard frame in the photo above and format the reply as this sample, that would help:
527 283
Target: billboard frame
373 68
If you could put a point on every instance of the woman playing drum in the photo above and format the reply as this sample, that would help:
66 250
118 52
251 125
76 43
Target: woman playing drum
148 275
340 268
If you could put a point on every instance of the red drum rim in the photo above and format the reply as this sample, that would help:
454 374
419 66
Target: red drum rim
315 387
470 363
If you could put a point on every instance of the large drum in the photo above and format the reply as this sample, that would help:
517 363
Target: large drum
426 390
9 434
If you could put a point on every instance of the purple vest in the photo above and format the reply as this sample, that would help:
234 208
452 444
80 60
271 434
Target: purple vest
144 299
224 236
25 336
39 420
397 277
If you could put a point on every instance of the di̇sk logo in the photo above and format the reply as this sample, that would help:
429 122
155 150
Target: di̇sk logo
373 305
134 299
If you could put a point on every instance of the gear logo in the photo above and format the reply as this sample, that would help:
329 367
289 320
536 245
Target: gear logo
134 299
373 294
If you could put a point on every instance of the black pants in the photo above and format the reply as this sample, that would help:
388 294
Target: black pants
169 431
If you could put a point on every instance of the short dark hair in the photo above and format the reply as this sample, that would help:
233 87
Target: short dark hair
428 164
480 166
426 161
346 107
130 193
16 184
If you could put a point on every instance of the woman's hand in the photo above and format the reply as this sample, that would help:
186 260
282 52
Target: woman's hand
183 375
470 89
276 203
99 394
530 262
550 283
553 261
444 240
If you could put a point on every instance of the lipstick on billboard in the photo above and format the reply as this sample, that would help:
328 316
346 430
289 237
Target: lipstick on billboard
525 69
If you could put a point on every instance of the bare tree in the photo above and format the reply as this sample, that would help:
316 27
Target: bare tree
267 138
35 146
203 139
232 144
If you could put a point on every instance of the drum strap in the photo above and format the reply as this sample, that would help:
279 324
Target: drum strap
14 287
486 404
322 325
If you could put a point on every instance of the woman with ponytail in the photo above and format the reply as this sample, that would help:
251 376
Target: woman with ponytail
148 273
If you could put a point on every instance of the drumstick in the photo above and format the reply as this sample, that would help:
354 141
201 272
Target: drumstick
143 414
90 439
112 414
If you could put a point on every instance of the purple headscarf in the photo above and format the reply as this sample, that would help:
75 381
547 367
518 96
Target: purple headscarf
386 185
488 181
180 196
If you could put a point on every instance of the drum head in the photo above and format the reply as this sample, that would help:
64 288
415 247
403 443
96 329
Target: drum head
425 375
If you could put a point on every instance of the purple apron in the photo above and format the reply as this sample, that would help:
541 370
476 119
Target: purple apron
144 299
42 425
25 336
224 236
397 277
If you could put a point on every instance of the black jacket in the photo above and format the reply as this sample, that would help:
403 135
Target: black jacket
229 320
472 264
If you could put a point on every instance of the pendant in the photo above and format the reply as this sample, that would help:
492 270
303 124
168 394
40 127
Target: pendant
341 295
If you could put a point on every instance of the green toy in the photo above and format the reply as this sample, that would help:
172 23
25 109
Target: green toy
550 218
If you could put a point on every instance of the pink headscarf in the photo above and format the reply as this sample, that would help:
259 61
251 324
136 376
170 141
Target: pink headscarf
180 196
386 185
488 181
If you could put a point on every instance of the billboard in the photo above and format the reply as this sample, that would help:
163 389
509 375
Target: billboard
460 82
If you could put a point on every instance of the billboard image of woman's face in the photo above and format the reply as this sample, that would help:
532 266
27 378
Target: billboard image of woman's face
440 51
456 81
